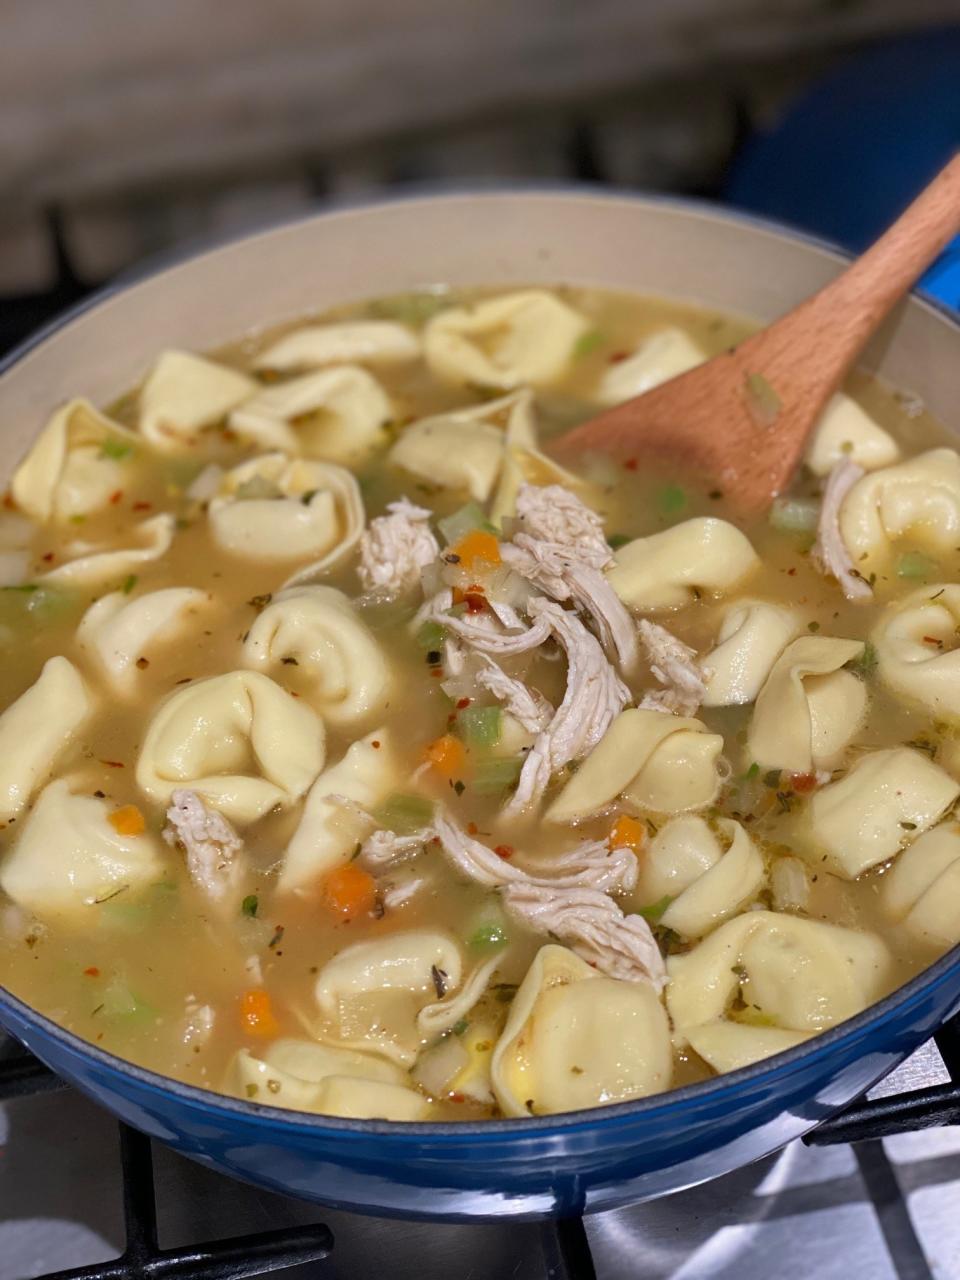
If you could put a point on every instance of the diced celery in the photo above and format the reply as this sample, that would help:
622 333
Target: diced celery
458 525
430 636
125 917
655 910
120 1002
587 343
410 308
480 726
866 663
795 515
116 449
914 564
493 776
671 499
256 487
404 814
488 937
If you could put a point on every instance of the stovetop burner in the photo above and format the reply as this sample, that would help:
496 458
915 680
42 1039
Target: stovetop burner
884 1208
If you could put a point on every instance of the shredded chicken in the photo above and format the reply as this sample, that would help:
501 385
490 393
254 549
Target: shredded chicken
593 697
394 548
674 665
214 850
830 551
485 632
394 895
527 706
561 549
594 926
384 849
593 863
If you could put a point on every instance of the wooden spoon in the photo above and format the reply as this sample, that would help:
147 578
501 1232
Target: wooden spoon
741 420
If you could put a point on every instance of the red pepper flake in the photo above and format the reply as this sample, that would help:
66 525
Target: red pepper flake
933 640
375 744
803 781
437 673
142 664
792 571
92 972
457 1097
112 764
618 356
472 828
143 506
463 702
48 558
8 501
116 497
503 850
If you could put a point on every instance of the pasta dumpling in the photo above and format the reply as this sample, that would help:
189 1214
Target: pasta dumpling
915 646
183 394
337 414
922 888
116 631
794 974
238 740
845 433
575 1039
524 462
658 761
919 498
37 729
702 556
329 831
462 449
704 883
887 799
89 564
525 337
349 677
325 1079
77 462
809 709
274 508
665 354
369 994
360 341
70 857
752 636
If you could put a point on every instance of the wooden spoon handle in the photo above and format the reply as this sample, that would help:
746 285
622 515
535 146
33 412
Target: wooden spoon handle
824 335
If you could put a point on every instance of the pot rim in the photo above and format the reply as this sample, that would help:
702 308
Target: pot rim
757 1076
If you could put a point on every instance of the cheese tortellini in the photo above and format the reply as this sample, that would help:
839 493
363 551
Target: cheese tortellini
575 1038
240 741
922 888
658 761
919 498
78 461
37 729
799 976
69 857
116 631
525 337
665 354
318 629
915 645
184 394
369 994
274 509
809 709
90 563
703 882
329 831
752 636
336 414
700 557
887 799
325 1079
846 433
353 341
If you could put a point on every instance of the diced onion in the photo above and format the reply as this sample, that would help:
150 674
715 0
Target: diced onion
206 484
13 567
790 885
437 1067
795 515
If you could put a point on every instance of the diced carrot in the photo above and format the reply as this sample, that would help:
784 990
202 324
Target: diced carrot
803 781
350 891
627 833
447 755
128 821
256 1014
478 547
92 972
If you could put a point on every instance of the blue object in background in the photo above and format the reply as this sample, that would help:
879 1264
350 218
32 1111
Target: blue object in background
850 154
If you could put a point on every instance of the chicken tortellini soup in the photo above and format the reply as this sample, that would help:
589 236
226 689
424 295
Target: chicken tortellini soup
360 757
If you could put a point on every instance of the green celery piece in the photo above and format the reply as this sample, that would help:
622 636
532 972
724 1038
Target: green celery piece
794 515
404 814
493 776
469 517
671 499
587 343
431 636
120 1002
488 937
914 564
480 726
653 912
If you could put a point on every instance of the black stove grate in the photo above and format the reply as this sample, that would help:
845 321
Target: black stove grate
566 1248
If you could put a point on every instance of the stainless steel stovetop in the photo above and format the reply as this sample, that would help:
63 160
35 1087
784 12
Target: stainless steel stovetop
882 1210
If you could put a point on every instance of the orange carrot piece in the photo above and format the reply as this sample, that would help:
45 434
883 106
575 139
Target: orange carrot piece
447 755
256 1014
477 547
350 891
128 821
627 833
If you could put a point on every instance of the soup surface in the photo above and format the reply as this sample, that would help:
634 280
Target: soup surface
360 759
